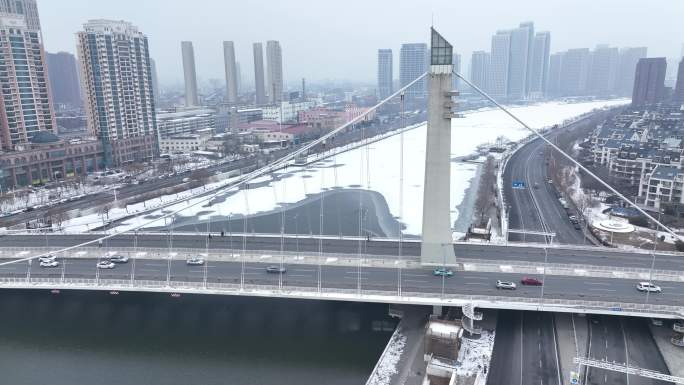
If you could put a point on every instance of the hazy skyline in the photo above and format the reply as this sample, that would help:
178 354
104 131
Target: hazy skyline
314 34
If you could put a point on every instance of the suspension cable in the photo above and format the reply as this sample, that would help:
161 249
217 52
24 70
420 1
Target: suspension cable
242 180
570 158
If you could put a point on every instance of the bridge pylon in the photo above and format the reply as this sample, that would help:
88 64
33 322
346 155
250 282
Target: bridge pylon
437 239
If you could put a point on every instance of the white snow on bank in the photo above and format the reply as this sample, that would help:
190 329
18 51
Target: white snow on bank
387 365
475 354
376 167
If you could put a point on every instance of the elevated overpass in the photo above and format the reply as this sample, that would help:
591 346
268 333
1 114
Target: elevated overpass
576 279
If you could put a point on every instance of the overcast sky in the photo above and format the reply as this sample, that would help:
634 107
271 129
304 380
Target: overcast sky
323 39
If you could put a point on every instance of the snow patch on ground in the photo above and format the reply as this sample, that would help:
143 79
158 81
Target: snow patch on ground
373 167
474 355
387 366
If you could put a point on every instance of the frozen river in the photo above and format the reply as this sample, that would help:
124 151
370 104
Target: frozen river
374 168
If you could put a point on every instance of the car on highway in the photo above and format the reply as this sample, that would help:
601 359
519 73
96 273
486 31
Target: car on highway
105 265
52 263
47 258
506 285
119 259
529 281
442 272
276 270
194 261
648 287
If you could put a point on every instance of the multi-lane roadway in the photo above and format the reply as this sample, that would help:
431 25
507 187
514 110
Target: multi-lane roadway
579 256
534 205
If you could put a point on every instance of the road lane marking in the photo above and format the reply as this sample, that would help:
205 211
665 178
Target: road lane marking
606 290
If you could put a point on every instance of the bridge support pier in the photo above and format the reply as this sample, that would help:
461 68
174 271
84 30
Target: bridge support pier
437 242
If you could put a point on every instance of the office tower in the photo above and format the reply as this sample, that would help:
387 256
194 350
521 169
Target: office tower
274 61
25 101
649 81
64 83
678 96
231 72
259 74
26 8
517 67
303 89
155 82
499 64
539 74
412 64
385 73
189 74
479 70
553 85
627 68
574 72
117 82
456 62
238 77
603 70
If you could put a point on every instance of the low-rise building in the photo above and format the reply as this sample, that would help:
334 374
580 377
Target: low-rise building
47 158
286 111
185 122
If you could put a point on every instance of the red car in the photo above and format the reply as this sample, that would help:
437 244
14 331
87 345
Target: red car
531 281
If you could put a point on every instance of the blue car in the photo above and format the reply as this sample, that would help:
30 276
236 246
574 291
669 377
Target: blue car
443 272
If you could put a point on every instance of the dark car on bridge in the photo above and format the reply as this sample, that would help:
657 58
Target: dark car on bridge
529 281
276 270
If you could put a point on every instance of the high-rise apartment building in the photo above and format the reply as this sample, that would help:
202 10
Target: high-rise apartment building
189 74
25 102
259 84
603 71
456 63
413 59
238 77
517 67
499 64
26 8
155 82
629 57
574 71
231 72
117 81
539 65
385 73
649 81
274 61
553 86
479 70
678 96
64 83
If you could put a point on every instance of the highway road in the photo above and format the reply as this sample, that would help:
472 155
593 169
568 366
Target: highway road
419 280
537 209
623 340
525 350
410 249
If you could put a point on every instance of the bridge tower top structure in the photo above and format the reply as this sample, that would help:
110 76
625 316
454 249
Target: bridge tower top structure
437 236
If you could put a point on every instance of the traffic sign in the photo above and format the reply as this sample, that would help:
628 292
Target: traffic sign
518 184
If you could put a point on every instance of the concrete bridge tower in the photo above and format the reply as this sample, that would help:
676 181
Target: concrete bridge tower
437 236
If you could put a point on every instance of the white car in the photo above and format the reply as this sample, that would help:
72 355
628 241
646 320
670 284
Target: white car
47 258
119 259
505 285
105 265
49 263
194 261
648 287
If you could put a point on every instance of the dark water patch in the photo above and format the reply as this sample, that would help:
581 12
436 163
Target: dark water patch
99 339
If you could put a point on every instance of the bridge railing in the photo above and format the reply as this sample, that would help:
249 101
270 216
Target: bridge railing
362 295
